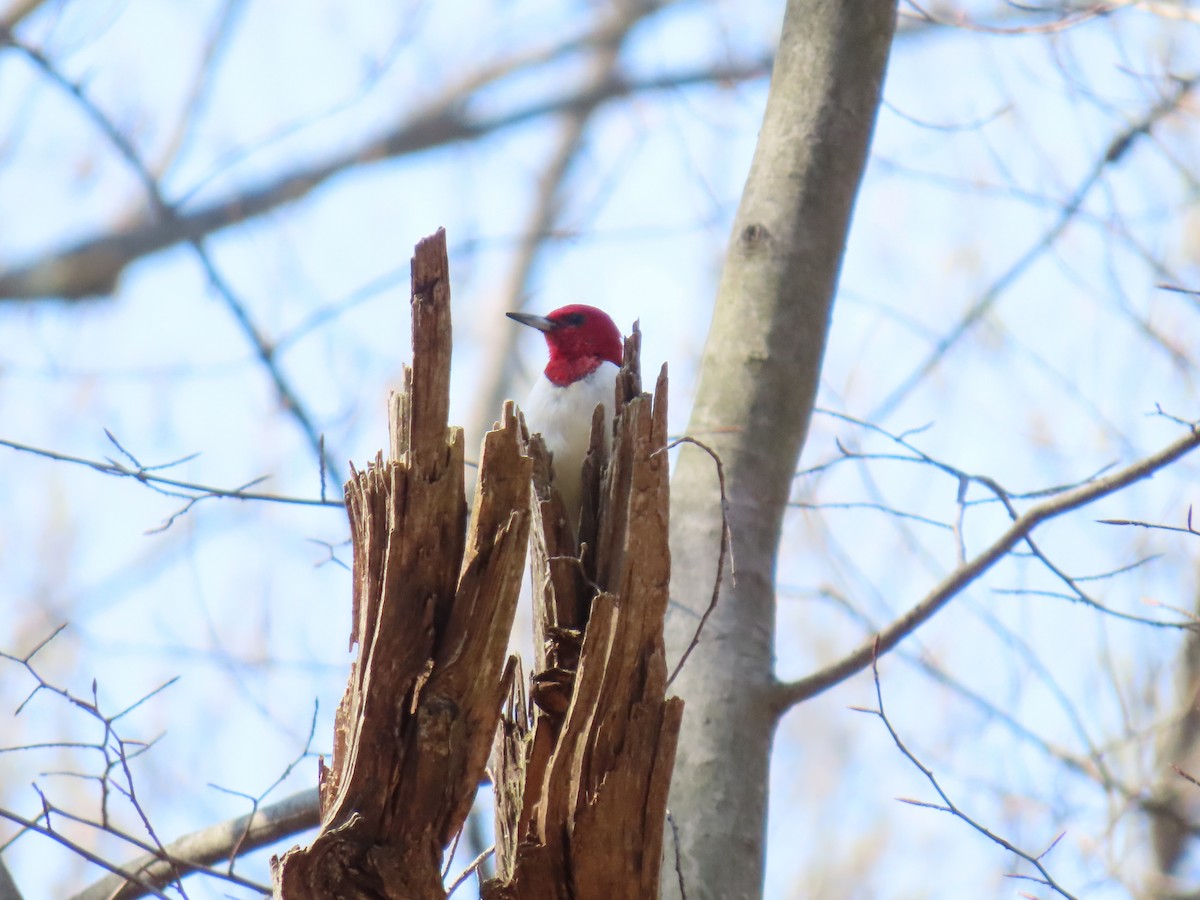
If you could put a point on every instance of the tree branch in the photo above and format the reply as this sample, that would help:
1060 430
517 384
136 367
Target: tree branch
83 852
1116 150
290 816
501 362
92 266
176 488
788 694
952 808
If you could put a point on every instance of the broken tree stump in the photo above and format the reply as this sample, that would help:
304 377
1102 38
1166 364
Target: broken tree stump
582 775
432 617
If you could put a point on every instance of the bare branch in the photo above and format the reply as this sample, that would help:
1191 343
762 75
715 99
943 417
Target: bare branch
83 852
470 870
1091 766
724 552
952 808
18 11
164 212
115 752
1062 18
92 266
263 827
1116 150
215 46
115 778
501 362
791 693
170 871
1188 529
175 487
877 507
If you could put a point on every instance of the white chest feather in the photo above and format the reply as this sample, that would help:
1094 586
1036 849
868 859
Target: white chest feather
563 416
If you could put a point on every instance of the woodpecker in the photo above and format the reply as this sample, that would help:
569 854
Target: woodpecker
585 355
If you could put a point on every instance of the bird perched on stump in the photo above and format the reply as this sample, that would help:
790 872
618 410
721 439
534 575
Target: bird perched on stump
585 355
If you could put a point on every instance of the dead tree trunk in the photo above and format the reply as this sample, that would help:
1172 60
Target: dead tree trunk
581 788
582 783
432 624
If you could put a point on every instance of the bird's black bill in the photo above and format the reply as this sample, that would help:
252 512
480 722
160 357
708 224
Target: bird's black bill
541 323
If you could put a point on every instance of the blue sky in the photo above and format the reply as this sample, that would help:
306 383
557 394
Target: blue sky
982 139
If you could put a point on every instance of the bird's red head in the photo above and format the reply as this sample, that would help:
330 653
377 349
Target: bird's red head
580 338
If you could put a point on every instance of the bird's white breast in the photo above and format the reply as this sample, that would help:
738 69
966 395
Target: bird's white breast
563 416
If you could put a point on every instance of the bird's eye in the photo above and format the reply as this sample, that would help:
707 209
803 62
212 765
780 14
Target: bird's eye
574 320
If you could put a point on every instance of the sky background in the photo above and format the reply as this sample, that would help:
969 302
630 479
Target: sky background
984 137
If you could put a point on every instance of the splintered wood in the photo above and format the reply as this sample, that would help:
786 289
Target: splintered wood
581 769
432 618
582 778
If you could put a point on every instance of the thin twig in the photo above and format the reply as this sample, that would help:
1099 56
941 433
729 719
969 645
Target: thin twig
1152 525
877 507
678 858
305 753
725 551
790 693
166 212
166 860
81 851
545 212
949 805
223 841
144 475
446 120
1116 149
1068 17
467 872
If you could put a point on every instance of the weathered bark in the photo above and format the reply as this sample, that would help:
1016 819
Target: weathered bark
582 788
758 383
267 825
1174 803
432 618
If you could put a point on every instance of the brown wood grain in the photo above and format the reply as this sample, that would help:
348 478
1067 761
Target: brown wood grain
582 793
581 757
433 611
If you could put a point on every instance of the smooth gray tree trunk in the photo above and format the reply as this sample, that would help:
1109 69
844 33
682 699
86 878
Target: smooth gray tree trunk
757 387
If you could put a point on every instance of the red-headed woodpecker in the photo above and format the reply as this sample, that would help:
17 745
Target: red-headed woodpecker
585 356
